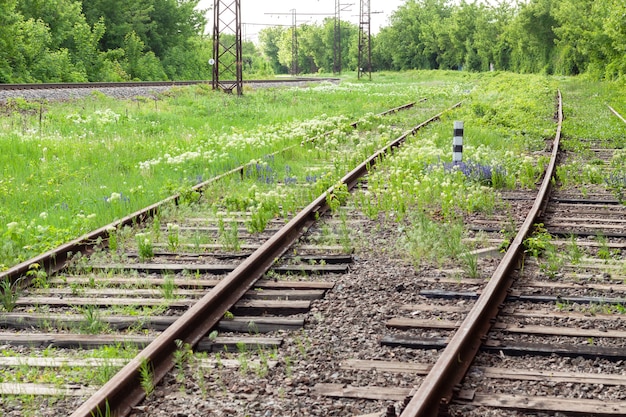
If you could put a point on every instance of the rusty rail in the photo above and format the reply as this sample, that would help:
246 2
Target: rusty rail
437 388
124 390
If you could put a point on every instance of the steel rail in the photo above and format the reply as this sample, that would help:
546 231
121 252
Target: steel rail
43 86
616 113
437 388
124 390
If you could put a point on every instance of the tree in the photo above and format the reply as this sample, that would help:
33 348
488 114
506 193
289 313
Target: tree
413 35
269 39
583 43
59 15
10 60
532 37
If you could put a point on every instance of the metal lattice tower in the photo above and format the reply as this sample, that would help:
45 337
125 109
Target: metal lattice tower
337 39
294 43
227 50
365 39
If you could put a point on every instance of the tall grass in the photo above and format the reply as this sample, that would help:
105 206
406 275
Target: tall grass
97 159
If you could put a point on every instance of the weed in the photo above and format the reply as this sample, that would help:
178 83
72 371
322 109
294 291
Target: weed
427 240
156 227
551 262
146 375
101 413
604 252
344 234
173 236
574 251
182 355
93 323
563 305
229 238
253 328
113 240
242 358
199 372
337 197
470 265
144 245
38 276
259 219
538 242
168 288
288 366
9 293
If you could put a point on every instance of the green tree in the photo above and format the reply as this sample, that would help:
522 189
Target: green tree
269 40
614 26
413 36
532 37
139 65
584 45
10 60
59 15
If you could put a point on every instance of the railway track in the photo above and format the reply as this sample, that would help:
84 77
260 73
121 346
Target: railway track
155 300
52 86
50 92
551 344
543 335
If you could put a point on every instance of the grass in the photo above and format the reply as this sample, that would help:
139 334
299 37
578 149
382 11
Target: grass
97 159
9 293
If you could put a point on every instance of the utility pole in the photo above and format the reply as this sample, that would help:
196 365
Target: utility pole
227 50
337 38
294 43
365 39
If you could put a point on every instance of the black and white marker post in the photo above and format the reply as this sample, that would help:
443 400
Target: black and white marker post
457 143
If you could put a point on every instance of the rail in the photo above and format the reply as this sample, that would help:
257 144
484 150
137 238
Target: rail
124 390
438 386
43 86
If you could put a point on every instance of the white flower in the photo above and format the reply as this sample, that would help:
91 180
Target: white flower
114 197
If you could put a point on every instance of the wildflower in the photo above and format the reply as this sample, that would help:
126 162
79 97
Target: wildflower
43 215
114 197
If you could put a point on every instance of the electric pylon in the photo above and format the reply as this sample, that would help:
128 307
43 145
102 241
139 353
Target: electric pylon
227 50
365 39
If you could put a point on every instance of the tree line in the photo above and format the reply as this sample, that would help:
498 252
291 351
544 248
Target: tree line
102 40
118 40
566 37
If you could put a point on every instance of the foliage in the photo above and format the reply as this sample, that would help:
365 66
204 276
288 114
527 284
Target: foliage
567 37
99 40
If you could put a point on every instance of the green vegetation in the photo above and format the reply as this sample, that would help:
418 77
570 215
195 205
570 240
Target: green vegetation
102 158
9 293
112 40
102 40
146 376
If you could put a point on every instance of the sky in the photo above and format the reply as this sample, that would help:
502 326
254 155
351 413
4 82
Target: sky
256 13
